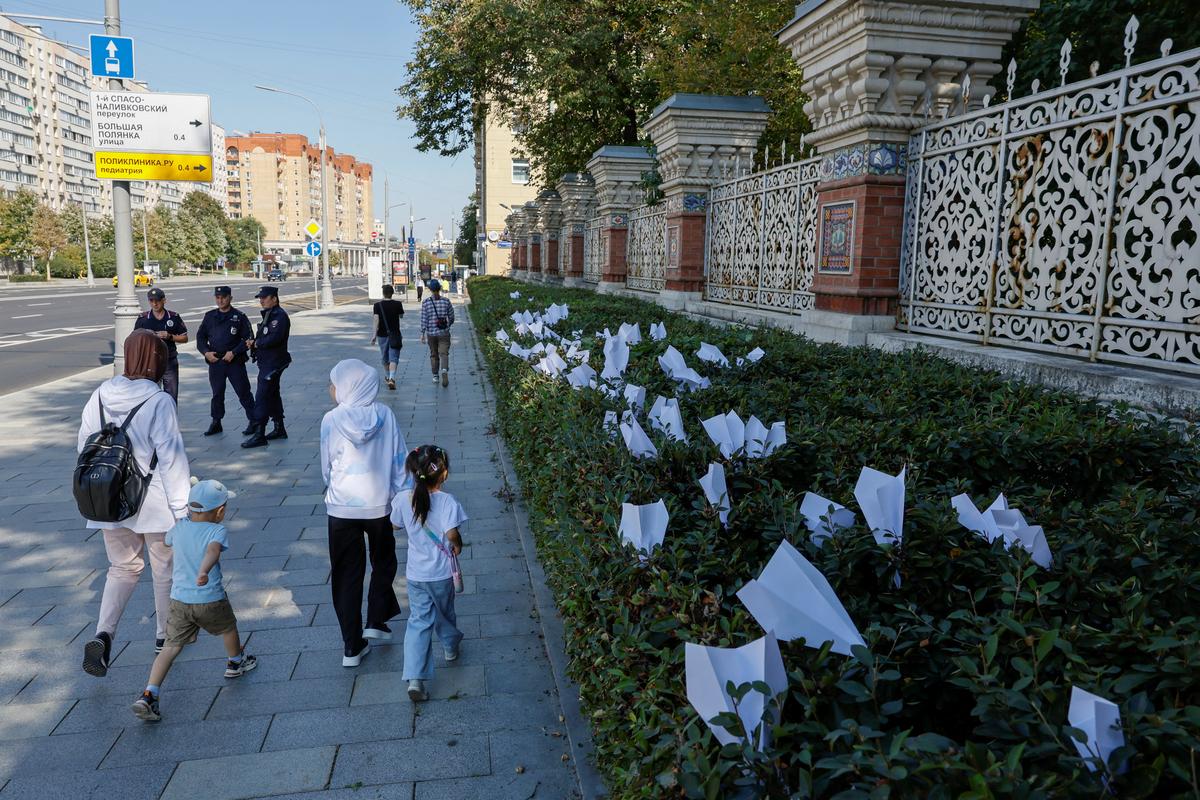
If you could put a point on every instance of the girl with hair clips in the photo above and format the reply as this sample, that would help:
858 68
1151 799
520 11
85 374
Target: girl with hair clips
431 518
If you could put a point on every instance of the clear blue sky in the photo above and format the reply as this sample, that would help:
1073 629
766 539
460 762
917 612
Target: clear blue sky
347 56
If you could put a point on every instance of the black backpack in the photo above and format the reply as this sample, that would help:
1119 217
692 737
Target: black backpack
109 485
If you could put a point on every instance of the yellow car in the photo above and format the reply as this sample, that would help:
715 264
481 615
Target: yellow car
139 279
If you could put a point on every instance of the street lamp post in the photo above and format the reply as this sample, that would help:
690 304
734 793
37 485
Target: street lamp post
326 300
126 309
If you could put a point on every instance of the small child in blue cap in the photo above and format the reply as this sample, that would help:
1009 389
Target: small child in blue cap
198 598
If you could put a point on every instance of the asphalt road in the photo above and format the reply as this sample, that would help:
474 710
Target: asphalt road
55 331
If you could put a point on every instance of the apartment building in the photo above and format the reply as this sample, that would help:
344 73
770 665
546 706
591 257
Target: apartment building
45 128
501 179
276 178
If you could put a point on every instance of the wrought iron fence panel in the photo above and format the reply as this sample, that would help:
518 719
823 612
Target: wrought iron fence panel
762 232
1066 221
646 256
592 258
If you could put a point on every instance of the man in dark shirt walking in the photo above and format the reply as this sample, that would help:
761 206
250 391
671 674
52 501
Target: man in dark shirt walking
270 348
387 331
223 338
168 326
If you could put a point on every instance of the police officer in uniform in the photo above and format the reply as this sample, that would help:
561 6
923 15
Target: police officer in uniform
270 349
224 338
168 326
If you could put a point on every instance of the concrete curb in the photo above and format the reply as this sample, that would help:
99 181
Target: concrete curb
579 733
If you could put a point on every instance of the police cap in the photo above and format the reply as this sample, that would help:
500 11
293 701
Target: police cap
223 290
268 291
156 294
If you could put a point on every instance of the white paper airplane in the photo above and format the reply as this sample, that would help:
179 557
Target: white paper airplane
636 439
761 442
664 416
708 670
824 517
1100 720
1001 522
616 358
881 498
752 357
712 354
502 335
635 396
582 377
658 331
715 491
793 599
644 526
631 332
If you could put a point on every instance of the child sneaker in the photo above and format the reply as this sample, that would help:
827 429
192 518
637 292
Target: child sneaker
416 691
236 669
145 708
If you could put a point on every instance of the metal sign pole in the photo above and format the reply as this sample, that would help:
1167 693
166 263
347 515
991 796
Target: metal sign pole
126 309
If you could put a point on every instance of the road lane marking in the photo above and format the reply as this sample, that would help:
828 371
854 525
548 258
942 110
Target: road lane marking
53 333
34 305
27 316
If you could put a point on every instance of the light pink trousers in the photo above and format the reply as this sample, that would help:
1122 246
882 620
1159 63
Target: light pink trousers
124 549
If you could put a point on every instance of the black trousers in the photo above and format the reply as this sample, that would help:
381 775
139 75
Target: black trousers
348 562
235 373
268 401
171 380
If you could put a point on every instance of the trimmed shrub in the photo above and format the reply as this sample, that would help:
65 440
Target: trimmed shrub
27 277
963 688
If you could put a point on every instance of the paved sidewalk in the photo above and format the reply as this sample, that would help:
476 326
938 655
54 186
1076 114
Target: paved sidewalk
300 725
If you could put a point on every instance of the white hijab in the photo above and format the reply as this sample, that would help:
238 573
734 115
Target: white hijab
357 416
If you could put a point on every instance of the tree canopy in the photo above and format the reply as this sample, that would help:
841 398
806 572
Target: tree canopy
573 75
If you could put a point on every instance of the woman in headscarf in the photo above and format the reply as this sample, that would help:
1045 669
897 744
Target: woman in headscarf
362 462
154 431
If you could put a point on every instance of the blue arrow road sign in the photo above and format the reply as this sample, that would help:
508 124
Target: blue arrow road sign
411 241
112 56
313 249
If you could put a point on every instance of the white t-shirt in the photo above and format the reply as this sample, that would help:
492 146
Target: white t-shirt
426 562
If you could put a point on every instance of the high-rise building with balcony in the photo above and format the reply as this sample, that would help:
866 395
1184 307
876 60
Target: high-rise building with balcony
276 178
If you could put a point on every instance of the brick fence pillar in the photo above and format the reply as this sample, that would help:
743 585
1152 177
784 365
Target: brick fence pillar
618 173
698 139
578 194
549 222
533 242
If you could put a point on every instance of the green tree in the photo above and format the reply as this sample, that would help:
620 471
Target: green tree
244 234
1096 30
464 246
572 76
46 234
16 226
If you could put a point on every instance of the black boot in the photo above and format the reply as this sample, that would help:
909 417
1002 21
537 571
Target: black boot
259 439
277 432
249 429
214 429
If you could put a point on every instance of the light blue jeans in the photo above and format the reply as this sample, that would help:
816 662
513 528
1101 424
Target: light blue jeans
388 354
430 609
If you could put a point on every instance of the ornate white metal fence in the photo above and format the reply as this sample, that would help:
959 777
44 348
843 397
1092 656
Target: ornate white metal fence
1066 221
593 259
646 253
762 238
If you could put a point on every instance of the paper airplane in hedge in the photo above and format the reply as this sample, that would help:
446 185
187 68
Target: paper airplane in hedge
582 377
636 439
518 351
676 369
716 491
823 517
514 295
635 396
881 498
616 358
644 526
611 426
664 416
999 521
792 599
555 314
709 670
631 332
731 435
753 357
658 331
712 354
553 364
502 335
1100 721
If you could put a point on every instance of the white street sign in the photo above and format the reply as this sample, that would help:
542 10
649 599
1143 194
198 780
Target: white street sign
151 122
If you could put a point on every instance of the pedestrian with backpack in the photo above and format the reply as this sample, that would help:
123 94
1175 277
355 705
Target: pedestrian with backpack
132 483
437 315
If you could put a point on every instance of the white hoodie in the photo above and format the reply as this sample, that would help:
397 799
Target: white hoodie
362 449
155 429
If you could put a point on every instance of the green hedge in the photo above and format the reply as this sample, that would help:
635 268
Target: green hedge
965 689
28 277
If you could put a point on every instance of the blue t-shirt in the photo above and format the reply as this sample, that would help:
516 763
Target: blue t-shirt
189 540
